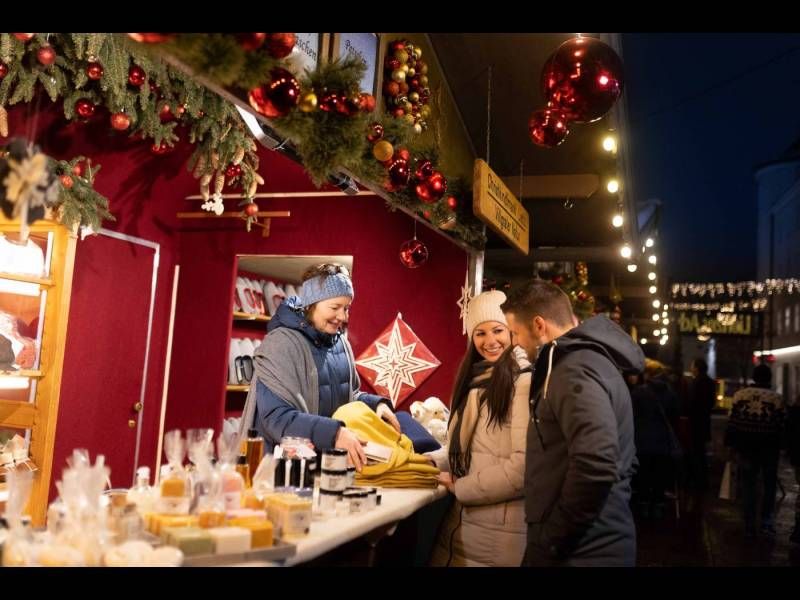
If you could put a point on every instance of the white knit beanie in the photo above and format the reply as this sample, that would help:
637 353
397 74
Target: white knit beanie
485 307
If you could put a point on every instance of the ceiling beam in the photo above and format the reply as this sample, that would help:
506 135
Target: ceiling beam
554 186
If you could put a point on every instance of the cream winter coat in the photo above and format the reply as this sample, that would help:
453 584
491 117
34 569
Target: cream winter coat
486 525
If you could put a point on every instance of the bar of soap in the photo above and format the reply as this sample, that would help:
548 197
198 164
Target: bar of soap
290 515
246 513
190 540
230 539
261 533
161 522
211 518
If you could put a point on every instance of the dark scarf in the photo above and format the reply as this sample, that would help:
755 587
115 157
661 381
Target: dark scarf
465 418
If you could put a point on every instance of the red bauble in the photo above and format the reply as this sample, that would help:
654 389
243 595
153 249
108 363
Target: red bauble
233 171
46 55
548 127
251 209
423 191
399 174
151 38
165 114
136 76
251 41
278 97
558 279
78 169
120 121
426 214
367 102
584 78
84 108
391 88
424 170
3 70
94 70
413 253
159 149
280 45
398 45
391 63
349 105
375 132
398 112
66 181
437 184
24 37
404 154
332 102
403 88
452 202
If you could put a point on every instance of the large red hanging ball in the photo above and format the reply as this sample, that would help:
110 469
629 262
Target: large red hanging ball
280 45
584 78
413 253
151 38
251 41
84 108
399 174
548 127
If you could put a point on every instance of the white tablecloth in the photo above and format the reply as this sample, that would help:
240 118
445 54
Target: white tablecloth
396 505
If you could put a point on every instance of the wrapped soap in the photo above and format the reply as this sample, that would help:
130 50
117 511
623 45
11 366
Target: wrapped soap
189 540
261 531
233 484
230 539
174 488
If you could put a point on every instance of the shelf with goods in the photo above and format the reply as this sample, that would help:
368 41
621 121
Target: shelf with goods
34 309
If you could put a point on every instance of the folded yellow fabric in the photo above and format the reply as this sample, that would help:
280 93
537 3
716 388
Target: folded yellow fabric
404 468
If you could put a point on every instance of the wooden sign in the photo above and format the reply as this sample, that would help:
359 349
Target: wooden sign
737 324
494 204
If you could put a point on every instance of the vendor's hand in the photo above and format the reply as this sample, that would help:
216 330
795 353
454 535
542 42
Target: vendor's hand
346 439
446 479
385 413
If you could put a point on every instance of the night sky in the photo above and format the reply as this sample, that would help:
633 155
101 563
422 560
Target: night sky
704 110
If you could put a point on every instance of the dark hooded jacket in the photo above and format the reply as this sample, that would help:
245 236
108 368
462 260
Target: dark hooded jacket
275 418
580 453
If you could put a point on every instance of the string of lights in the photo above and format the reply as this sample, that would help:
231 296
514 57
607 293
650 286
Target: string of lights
737 289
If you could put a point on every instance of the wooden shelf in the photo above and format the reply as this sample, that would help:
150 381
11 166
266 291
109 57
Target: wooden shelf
21 373
27 279
237 388
243 316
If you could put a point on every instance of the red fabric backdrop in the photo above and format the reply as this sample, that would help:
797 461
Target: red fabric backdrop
145 193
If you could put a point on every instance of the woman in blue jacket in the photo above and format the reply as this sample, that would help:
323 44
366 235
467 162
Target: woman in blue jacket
305 369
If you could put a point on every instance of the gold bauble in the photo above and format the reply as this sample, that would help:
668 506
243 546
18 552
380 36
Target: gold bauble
423 81
417 128
402 56
414 97
418 53
383 151
425 111
308 102
411 71
423 70
410 119
399 75
404 69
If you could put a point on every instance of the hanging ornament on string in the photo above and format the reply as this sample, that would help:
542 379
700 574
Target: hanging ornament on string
24 37
84 108
399 174
120 121
374 132
3 70
413 253
136 76
160 149
46 55
548 127
94 71
278 97
584 78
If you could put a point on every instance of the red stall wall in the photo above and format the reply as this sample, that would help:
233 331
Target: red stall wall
146 191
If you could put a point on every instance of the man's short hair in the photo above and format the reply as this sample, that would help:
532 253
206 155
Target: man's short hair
540 298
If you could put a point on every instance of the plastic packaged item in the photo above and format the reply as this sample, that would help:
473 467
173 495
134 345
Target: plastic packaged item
175 488
232 482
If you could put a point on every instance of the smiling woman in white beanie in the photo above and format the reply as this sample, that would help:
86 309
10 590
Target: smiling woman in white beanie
485 461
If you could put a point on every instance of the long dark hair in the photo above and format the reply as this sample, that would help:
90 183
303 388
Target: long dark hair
498 392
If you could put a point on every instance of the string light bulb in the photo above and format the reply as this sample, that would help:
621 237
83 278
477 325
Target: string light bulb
632 268
651 259
643 340
617 220
653 289
656 303
626 251
655 317
612 186
610 144
651 276
649 242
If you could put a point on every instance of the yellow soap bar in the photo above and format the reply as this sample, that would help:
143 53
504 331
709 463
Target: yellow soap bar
261 533
250 500
173 487
211 518
159 522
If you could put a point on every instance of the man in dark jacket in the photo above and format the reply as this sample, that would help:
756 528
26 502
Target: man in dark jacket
702 398
580 447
